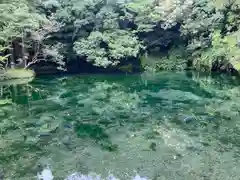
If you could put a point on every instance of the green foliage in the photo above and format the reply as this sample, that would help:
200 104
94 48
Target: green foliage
91 29
176 59
232 50
5 101
202 19
211 55
108 48
196 19
224 50
212 30
25 31
110 33
15 16
145 14
3 57
90 47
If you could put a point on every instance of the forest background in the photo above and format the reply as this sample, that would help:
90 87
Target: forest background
79 36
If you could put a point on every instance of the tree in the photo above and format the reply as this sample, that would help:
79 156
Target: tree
108 48
92 31
23 29
108 33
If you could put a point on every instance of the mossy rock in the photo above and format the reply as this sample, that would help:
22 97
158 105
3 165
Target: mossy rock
19 73
16 76
11 74
16 81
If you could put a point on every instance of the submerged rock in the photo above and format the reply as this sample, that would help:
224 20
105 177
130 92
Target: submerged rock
153 146
185 118
44 134
188 119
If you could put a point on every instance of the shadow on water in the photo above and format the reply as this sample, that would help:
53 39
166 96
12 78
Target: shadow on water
162 126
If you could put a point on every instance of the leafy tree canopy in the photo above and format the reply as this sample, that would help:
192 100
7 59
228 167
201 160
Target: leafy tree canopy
107 33
16 16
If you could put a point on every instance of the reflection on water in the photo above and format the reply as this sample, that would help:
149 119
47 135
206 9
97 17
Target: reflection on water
160 126
46 174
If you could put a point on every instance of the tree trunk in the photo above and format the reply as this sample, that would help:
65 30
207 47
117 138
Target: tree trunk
12 62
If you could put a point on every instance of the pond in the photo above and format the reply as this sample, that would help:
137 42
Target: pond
168 125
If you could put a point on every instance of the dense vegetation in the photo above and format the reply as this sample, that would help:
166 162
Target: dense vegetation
126 35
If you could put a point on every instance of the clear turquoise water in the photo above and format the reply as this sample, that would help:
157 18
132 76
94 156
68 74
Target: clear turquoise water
169 126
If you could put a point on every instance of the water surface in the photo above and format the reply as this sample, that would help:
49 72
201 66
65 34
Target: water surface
169 126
